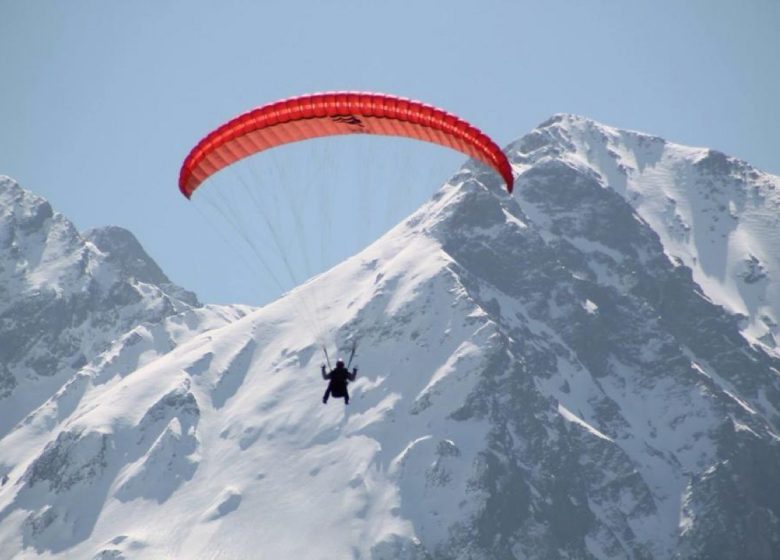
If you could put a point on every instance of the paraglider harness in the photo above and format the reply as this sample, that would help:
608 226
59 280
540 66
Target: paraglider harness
338 378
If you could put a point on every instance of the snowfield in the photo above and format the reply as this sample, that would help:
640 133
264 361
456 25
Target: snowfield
586 369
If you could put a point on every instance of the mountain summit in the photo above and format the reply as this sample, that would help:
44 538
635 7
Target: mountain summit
66 297
562 373
713 213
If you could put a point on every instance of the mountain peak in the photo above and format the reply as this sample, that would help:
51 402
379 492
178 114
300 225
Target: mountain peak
565 119
64 299
20 208
574 126
714 213
122 248
542 374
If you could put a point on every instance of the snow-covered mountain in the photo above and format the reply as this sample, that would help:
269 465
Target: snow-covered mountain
558 374
715 214
66 297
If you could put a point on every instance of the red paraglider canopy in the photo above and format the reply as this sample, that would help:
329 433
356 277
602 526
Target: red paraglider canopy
327 114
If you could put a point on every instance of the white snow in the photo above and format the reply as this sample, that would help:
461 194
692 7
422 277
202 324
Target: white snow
568 415
202 435
712 225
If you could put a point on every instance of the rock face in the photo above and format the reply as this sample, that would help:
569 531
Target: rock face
64 297
583 370
717 215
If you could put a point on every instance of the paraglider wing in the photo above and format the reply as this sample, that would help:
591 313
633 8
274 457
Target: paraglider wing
327 114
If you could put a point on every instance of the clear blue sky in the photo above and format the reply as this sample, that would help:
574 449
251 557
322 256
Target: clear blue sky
100 100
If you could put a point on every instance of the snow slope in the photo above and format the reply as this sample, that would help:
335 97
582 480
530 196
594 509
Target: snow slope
716 214
65 297
541 376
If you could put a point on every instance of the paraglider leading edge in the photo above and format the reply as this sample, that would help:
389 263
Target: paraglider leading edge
334 113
